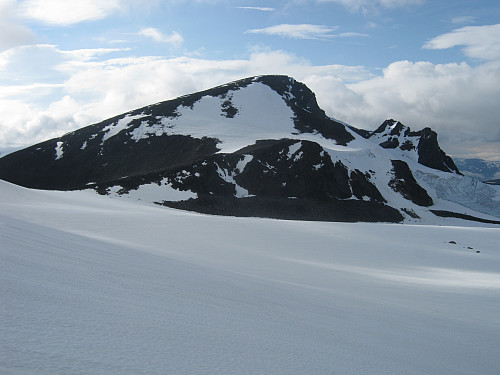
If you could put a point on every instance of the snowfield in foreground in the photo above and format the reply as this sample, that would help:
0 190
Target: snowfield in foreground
93 285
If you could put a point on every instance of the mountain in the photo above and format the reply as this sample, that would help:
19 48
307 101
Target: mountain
260 146
483 170
423 144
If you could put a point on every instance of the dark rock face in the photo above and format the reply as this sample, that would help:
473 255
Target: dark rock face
308 172
431 155
493 182
36 166
457 215
396 128
362 187
405 184
292 209
390 143
362 132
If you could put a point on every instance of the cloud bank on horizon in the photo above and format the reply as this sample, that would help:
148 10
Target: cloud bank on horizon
67 64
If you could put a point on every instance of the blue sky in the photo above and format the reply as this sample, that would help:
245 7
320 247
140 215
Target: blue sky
65 64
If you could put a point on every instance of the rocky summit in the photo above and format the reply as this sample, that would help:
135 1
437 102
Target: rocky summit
260 146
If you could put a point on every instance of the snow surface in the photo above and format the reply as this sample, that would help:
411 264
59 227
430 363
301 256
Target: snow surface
153 192
59 150
292 149
90 284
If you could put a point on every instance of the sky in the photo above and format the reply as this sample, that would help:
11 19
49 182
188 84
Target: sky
65 64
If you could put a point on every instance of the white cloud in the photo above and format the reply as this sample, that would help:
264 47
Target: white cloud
263 9
90 53
174 38
463 20
11 33
43 63
302 31
26 121
25 64
456 100
350 35
69 12
480 42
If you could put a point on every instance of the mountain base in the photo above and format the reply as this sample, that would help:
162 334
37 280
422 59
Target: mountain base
291 209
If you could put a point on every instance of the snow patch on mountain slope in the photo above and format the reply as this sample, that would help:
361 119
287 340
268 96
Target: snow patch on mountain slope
261 114
401 139
145 130
228 176
152 192
292 149
243 163
116 127
59 150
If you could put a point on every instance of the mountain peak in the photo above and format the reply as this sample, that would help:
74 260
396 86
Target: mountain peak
175 132
422 145
308 117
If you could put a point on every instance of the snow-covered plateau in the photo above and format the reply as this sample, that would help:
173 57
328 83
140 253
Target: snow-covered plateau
96 285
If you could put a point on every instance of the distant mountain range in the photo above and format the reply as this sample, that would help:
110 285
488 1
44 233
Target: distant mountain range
260 146
483 170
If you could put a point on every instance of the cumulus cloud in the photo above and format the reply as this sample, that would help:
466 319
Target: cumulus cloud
302 31
90 53
43 63
128 83
11 33
480 42
69 12
263 9
173 38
